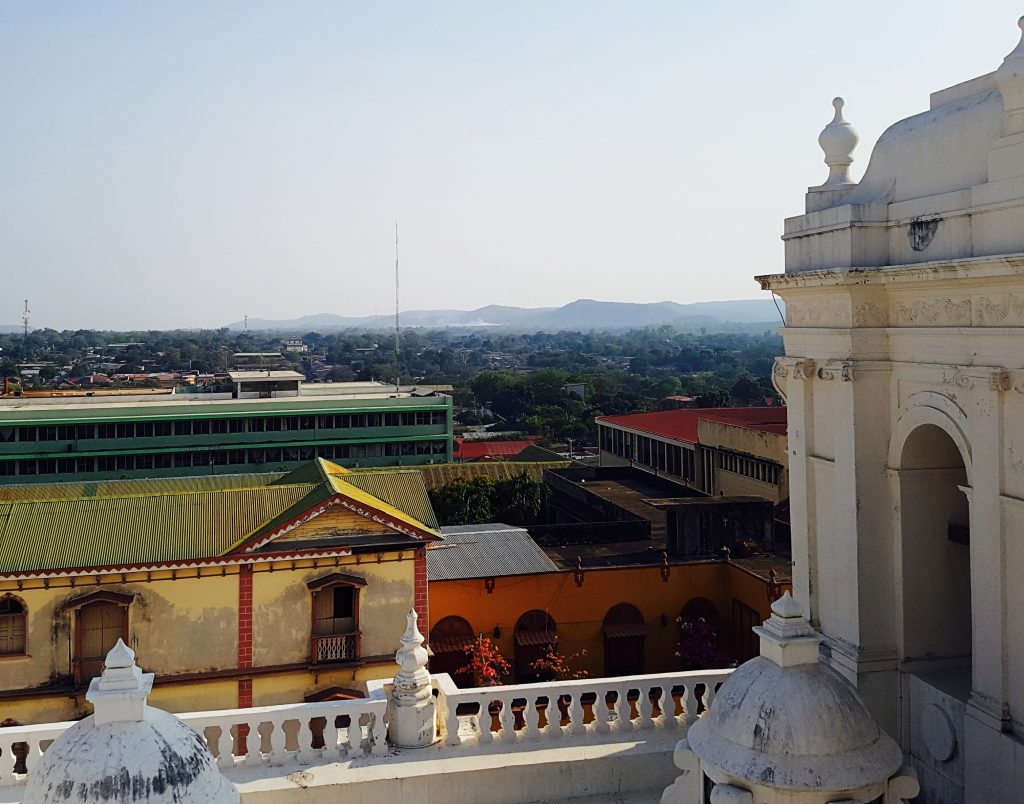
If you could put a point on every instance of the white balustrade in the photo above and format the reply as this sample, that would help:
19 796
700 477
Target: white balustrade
331 731
264 735
574 708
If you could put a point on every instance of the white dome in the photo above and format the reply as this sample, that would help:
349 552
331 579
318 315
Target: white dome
792 728
158 760
127 752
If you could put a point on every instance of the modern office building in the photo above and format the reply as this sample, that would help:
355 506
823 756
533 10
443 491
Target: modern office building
269 422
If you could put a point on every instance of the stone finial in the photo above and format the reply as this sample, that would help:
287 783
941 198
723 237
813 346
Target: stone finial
787 638
1010 80
119 694
412 721
838 140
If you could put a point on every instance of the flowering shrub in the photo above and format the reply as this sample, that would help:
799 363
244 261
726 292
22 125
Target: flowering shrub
486 664
553 666
697 648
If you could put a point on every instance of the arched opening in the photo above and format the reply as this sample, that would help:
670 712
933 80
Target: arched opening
935 541
536 634
450 640
624 633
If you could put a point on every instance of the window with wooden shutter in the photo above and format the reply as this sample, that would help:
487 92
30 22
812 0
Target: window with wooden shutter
12 627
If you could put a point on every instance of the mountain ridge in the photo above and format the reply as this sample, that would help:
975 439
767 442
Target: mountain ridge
578 314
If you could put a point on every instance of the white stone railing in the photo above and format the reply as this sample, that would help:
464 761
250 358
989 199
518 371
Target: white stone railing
305 733
320 733
573 708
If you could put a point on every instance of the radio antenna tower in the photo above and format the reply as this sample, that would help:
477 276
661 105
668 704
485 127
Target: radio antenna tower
24 318
245 325
397 346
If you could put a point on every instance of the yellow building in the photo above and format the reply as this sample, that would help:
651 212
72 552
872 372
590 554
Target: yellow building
235 590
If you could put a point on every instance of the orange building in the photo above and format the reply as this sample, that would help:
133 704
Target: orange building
498 583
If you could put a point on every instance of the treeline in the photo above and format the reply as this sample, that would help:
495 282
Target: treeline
516 501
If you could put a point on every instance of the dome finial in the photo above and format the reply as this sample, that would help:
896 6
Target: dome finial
119 694
1010 80
838 140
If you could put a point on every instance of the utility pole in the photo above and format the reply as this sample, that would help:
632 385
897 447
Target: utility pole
397 346
245 324
24 318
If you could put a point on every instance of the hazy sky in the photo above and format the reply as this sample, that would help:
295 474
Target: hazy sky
183 163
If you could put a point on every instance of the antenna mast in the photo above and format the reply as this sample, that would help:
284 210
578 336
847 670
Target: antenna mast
24 318
397 347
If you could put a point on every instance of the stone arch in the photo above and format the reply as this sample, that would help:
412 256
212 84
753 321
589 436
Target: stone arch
450 640
536 633
930 460
624 636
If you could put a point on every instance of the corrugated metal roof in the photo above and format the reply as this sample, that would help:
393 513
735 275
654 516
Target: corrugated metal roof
128 488
442 474
681 425
403 490
119 530
485 551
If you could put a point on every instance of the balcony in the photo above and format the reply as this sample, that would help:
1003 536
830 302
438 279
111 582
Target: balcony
335 648
606 739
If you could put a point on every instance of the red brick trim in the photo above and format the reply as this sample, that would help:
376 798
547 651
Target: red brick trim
244 634
420 600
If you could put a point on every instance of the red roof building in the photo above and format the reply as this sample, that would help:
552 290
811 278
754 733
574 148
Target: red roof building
730 451
490 450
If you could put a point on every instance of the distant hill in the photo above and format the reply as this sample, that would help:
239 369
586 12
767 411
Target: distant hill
9 328
580 314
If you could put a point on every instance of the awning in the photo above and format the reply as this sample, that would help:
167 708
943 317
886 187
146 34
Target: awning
623 630
527 638
450 644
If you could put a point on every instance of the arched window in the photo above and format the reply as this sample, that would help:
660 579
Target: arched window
700 608
449 640
624 632
13 630
536 634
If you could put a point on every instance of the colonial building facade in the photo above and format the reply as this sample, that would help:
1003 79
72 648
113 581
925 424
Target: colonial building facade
904 380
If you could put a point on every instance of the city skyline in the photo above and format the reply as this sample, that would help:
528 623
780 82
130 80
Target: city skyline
185 166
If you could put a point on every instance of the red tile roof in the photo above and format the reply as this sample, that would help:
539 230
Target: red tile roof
475 450
681 425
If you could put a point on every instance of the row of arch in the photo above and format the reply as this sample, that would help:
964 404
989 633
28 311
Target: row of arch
623 627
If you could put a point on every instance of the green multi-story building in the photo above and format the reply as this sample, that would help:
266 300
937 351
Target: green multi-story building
269 422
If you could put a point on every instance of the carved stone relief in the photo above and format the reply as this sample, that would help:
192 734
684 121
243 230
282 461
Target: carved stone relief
815 313
868 314
1008 309
934 311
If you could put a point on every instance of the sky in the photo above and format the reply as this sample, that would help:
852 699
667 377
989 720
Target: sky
182 164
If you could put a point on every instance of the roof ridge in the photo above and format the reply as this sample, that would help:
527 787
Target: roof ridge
163 493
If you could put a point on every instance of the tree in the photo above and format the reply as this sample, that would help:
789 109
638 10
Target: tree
519 500
697 647
556 666
486 664
464 502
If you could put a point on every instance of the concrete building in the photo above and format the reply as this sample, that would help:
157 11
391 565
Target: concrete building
268 422
716 451
904 379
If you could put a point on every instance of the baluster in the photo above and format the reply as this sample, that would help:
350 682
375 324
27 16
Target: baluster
602 712
689 704
378 734
668 708
451 723
355 735
506 719
224 743
576 725
645 708
330 751
710 691
277 741
484 721
305 753
32 756
254 744
625 710
7 778
531 716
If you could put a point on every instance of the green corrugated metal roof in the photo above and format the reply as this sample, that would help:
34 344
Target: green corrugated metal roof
140 529
442 474
127 522
403 490
124 488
